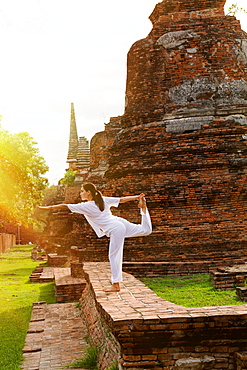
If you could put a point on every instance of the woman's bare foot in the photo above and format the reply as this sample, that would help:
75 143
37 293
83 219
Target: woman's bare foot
142 202
114 288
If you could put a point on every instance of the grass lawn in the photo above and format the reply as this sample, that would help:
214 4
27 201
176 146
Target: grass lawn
191 291
17 295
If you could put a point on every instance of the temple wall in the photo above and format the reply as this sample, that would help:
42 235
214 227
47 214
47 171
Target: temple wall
194 183
99 331
183 141
72 194
6 241
99 152
192 64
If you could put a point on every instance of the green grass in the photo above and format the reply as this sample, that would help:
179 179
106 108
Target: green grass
17 295
89 361
191 291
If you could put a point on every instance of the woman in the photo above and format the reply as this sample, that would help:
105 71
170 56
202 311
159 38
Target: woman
97 211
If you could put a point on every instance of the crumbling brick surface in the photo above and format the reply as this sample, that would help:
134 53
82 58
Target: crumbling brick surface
192 62
184 136
195 183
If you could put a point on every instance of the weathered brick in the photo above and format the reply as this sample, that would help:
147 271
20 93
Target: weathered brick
149 357
132 358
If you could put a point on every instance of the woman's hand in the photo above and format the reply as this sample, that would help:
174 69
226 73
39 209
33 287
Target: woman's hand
131 197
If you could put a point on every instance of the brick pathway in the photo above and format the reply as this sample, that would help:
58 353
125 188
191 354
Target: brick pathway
56 337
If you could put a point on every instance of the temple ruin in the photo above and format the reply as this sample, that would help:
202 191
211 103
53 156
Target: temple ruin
181 140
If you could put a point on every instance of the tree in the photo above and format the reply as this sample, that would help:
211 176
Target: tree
69 177
234 9
21 180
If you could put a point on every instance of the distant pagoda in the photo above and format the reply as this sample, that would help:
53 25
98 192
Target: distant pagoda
73 140
78 153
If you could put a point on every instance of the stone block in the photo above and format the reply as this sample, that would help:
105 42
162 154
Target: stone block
56 260
242 293
76 269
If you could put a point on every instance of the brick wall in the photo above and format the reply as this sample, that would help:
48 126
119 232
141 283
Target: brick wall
241 361
183 141
186 65
99 152
196 192
6 241
147 255
26 235
72 193
228 278
100 333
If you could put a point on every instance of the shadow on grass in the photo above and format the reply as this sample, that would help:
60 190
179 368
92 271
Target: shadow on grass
23 272
47 292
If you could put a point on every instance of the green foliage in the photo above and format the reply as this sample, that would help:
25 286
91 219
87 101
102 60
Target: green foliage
78 305
234 9
21 180
69 177
89 361
17 297
191 291
114 366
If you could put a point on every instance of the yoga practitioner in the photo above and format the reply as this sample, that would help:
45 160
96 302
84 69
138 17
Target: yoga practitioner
96 209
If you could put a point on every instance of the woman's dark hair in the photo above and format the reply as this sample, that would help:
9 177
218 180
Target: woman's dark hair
96 194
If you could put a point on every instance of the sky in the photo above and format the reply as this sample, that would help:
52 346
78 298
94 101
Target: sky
55 52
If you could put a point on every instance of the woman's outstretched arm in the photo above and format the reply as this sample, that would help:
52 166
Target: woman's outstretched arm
130 198
55 206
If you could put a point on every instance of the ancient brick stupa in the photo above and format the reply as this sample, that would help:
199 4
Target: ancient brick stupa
182 139
184 134
78 153
78 158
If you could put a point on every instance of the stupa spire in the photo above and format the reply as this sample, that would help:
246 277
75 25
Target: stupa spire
73 139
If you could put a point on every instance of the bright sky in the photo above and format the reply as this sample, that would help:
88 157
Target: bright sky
54 52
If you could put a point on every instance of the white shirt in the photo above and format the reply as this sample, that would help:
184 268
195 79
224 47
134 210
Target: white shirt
99 220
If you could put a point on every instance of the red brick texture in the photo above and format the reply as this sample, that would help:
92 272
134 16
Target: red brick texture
55 338
189 44
184 136
228 278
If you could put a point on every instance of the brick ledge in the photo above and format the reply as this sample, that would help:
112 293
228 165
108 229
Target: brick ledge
136 301
140 330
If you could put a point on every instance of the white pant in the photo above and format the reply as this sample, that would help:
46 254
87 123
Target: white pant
121 229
